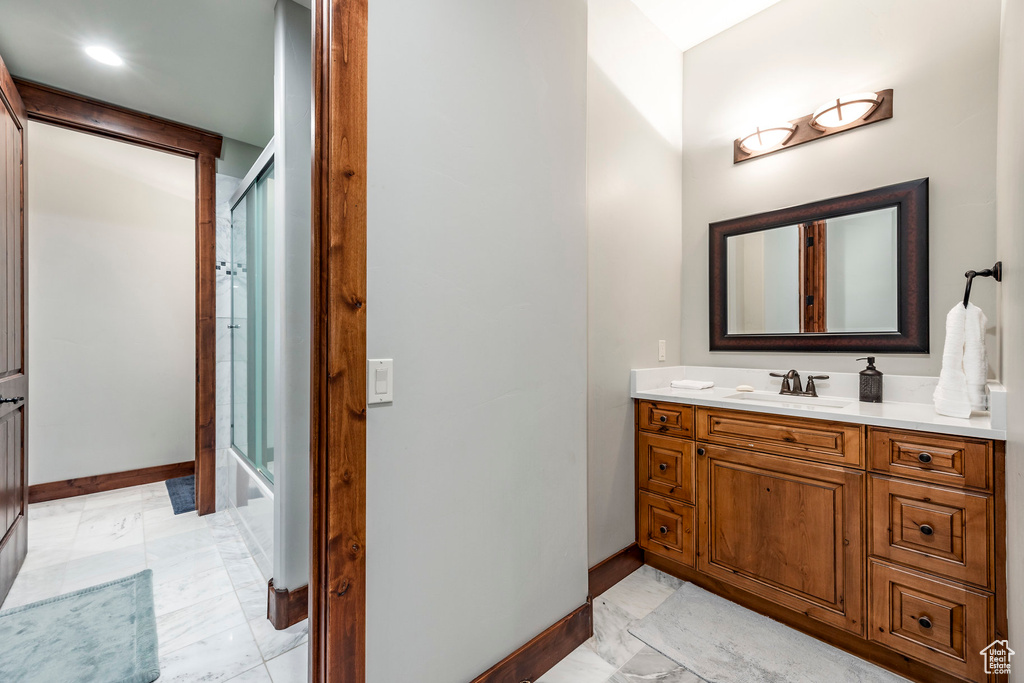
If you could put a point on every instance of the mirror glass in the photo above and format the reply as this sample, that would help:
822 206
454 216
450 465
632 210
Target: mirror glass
834 275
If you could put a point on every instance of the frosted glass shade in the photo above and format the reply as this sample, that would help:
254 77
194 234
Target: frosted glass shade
769 137
844 110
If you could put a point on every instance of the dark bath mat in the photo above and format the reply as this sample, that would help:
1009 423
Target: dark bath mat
183 494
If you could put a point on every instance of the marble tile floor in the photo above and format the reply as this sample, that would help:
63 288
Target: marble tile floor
613 655
210 597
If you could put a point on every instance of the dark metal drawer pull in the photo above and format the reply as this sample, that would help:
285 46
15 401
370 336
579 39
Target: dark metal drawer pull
927 530
663 418
663 467
663 530
925 622
924 457
700 451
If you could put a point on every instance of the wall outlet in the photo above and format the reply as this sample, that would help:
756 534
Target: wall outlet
661 349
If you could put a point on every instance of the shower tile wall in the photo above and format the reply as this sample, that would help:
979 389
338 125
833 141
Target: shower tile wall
226 186
237 492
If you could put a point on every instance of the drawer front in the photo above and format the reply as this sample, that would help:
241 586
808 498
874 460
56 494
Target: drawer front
948 460
666 418
945 531
819 440
944 624
666 466
667 528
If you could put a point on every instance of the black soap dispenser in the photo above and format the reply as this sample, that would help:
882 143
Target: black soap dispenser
870 382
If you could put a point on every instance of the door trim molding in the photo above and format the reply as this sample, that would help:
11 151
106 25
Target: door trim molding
80 486
71 110
534 659
337 612
77 112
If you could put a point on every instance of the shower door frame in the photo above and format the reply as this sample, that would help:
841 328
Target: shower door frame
77 112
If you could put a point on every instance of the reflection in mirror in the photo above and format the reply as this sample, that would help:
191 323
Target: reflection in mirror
836 275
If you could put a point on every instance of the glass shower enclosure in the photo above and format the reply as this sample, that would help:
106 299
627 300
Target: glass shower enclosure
252 320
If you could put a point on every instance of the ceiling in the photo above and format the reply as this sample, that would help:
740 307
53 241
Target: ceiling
689 22
210 63
206 63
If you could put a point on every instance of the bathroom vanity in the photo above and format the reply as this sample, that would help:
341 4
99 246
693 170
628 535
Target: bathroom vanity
879 528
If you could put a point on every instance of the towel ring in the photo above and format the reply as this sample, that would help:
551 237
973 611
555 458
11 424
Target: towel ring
995 271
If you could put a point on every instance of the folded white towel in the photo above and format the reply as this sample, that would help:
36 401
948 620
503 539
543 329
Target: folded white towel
964 374
691 384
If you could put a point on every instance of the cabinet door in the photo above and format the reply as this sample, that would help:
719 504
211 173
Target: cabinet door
786 530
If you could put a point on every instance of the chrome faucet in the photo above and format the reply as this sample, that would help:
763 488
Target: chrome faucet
791 385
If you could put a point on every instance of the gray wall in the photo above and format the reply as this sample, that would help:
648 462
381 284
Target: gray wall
941 59
237 157
293 117
634 195
476 475
1009 222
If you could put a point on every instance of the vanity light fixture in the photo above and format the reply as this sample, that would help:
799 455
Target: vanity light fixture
768 137
835 116
844 111
104 55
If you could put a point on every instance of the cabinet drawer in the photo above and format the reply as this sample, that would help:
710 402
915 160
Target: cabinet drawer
666 528
666 466
819 440
948 460
945 531
941 623
666 418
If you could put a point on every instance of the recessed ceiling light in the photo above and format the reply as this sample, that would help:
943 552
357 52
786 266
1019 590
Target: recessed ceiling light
104 55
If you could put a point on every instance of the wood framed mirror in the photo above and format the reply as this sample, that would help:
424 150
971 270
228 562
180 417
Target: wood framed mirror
847 274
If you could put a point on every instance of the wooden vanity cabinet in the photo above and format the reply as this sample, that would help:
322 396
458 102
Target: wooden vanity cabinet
886 543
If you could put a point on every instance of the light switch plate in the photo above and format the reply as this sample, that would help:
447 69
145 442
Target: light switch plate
380 381
661 349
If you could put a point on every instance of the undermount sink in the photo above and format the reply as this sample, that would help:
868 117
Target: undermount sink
808 402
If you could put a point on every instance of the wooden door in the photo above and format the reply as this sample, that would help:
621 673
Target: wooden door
785 530
13 380
813 295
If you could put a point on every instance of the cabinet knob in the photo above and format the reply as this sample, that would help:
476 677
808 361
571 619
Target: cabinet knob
663 530
700 451
663 466
925 622
663 418
924 457
927 530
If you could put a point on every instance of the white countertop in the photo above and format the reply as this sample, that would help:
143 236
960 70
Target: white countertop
911 410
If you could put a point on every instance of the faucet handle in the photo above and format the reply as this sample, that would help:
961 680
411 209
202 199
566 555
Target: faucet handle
786 388
811 390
